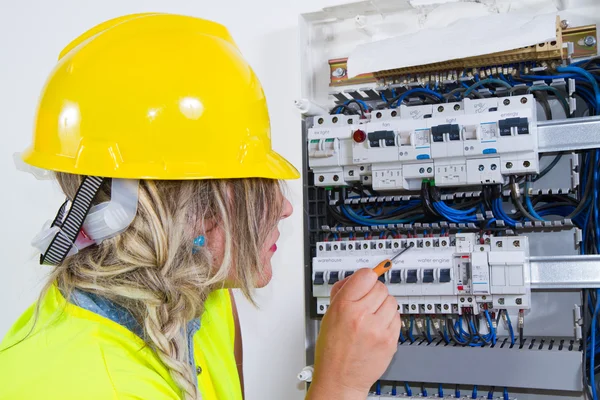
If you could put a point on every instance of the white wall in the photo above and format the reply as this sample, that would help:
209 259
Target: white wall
32 33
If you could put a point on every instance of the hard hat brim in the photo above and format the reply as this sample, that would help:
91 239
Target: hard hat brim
273 166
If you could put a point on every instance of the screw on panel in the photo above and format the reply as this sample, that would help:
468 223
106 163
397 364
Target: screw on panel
381 245
493 167
396 245
351 172
365 246
335 246
421 170
487 241
440 108
336 178
498 244
378 115
362 168
321 248
517 243
501 301
589 41
350 247
444 243
481 249
457 107
427 244
413 307
483 297
394 113
338 72
526 164
470 299
481 167
509 165
349 121
506 102
429 307
321 307
366 178
523 100
564 24
334 120
446 307
321 178
320 121
462 299
429 170
519 301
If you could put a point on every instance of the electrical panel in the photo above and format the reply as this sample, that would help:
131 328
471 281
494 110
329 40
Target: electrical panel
484 170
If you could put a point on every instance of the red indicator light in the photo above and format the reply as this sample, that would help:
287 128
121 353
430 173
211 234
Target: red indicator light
460 287
359 136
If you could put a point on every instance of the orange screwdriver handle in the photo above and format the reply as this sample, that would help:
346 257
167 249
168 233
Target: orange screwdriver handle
383 267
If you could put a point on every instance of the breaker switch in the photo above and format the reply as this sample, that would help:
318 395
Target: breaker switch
388 137
453 131
444 275
382 278
521 125
411 276
427 276
348 273
334 276
396 277
319 279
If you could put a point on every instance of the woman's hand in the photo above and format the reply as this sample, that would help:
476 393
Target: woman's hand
358 338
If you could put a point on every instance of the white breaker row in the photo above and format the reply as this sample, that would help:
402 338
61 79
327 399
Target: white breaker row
438 275
471 142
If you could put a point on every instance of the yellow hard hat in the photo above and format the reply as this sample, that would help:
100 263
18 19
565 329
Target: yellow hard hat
155 96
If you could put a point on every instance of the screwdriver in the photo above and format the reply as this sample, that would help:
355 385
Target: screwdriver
386 265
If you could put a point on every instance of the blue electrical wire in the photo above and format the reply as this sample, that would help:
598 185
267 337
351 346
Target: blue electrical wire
351 215
491 393
510 327
423 391
410 329
499 213
531 210
484 82
506 394
428 329
474 394
407 389
394 390
588 76
440 391
457 392
378 388
415 91
491 325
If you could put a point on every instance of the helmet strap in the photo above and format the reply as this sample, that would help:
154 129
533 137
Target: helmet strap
71 225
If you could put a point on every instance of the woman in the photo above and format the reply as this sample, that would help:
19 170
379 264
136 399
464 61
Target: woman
158 134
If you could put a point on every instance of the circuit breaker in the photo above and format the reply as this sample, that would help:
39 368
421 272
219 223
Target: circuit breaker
439 275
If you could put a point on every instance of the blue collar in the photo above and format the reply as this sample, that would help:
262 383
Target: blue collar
107 309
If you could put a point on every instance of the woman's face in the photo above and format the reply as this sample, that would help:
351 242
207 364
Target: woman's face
270 246
216 243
